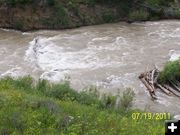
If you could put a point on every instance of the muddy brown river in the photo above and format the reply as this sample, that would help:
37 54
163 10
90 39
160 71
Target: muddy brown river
109 56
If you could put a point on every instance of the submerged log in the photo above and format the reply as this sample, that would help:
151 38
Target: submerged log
167 92
173 91
175 86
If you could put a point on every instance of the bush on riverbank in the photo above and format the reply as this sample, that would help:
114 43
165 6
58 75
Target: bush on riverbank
42 108
177 14
139 15
171 72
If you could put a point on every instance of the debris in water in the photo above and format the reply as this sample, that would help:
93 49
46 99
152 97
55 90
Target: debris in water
149 79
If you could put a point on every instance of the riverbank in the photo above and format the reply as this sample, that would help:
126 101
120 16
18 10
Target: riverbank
45 108
28 15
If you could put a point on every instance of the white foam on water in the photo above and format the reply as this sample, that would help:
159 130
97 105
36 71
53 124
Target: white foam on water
160 34
7 30
26 33
3 50
123 81
14 72
174 55
165 33
163 101
100 39
43 53
10 30
177 117
175 33
121 41
54 75
100 44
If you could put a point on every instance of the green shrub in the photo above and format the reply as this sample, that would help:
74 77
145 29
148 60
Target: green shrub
89 97
159 2
171 72
177 14
12 120
155 2
42 86
63 92
108 17
24 83
108 101
51 2
19 25
61 16
139 15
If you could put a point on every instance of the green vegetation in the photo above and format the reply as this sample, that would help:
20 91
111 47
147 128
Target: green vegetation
16 2
155 2
177 14
159 2
60 14
41 108
108 17
139 15
19 25
171 72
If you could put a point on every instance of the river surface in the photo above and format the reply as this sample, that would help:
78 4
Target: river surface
109 56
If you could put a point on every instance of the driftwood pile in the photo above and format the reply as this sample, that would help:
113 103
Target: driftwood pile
150 80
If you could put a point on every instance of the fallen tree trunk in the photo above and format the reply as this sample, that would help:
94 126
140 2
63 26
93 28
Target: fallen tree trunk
149 88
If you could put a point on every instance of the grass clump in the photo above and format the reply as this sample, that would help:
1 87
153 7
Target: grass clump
42 108
171 72
126 99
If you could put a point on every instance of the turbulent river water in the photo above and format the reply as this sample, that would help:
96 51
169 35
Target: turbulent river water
110 56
